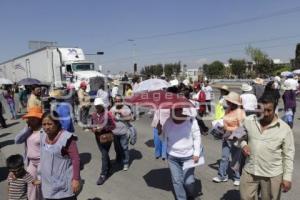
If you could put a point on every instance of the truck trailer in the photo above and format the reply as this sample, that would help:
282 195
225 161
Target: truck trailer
54 66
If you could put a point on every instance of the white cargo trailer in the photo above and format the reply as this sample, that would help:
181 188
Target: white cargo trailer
53 66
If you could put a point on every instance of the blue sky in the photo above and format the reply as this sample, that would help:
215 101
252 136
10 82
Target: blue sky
98 25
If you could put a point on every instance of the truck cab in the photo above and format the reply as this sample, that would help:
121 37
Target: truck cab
76 69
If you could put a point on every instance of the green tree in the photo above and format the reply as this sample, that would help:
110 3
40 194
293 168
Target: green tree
205 68
297 57
214 70
263 65
256 54
238 67
157 69
168 69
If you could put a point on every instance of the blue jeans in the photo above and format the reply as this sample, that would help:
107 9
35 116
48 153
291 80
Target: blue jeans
12 109
160 146
183 180
228 149
104 149
121 148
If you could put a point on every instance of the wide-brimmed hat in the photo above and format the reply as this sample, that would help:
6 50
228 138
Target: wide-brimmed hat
99 102
174 82
116 82
34 112
259 81
223 87
287 86
246 87
234 98
57 93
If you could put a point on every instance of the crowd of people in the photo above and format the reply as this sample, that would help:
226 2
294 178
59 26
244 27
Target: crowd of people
257 145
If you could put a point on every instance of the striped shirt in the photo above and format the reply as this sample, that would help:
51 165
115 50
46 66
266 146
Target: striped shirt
17 187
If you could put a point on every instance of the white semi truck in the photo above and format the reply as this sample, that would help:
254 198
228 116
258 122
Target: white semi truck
54 66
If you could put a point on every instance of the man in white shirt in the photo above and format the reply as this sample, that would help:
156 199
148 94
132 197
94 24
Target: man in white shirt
115 91
103 95
292 81
208 95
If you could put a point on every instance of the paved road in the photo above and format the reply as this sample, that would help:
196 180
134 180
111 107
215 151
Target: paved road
147 178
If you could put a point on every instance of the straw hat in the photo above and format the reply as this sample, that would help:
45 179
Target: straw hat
259 81
57 93
246 87
34 112
223 87
116 83
234 98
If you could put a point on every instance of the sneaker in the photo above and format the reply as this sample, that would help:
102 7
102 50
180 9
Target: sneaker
219 180
125 168
101 180
236 183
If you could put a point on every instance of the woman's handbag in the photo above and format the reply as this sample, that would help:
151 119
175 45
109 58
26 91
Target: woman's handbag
105 137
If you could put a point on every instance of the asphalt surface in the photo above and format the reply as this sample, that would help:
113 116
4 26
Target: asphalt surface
147 178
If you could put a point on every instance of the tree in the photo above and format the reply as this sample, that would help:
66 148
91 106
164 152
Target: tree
238 67
205 68
297 57
263 65
214 70
256 55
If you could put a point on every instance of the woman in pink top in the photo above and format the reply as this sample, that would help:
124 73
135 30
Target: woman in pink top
31 137
234 114
232 120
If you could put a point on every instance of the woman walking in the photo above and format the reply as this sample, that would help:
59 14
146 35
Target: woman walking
60 162
31 136
182 134
102 125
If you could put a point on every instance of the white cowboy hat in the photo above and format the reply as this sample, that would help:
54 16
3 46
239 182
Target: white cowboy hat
259 81
99 101
246 87
234 98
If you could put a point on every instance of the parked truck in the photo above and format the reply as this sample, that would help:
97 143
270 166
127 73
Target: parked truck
54 66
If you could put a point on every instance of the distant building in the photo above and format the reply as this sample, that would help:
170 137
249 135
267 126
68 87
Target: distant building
192 74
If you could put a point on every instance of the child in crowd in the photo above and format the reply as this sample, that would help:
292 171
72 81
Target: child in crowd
18 178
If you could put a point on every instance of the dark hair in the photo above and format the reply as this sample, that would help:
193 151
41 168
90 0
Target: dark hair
101 86
172 89
268 98
14 161
54 116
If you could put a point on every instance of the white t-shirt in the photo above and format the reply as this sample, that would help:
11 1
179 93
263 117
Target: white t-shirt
183 140
114 91
208 92
160 115
294 83
249 101
104 96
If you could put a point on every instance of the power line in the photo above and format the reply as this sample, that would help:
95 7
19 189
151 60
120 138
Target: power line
226 52
207 48
247 20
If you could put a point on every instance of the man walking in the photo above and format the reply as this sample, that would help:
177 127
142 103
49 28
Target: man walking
123 116
270 154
